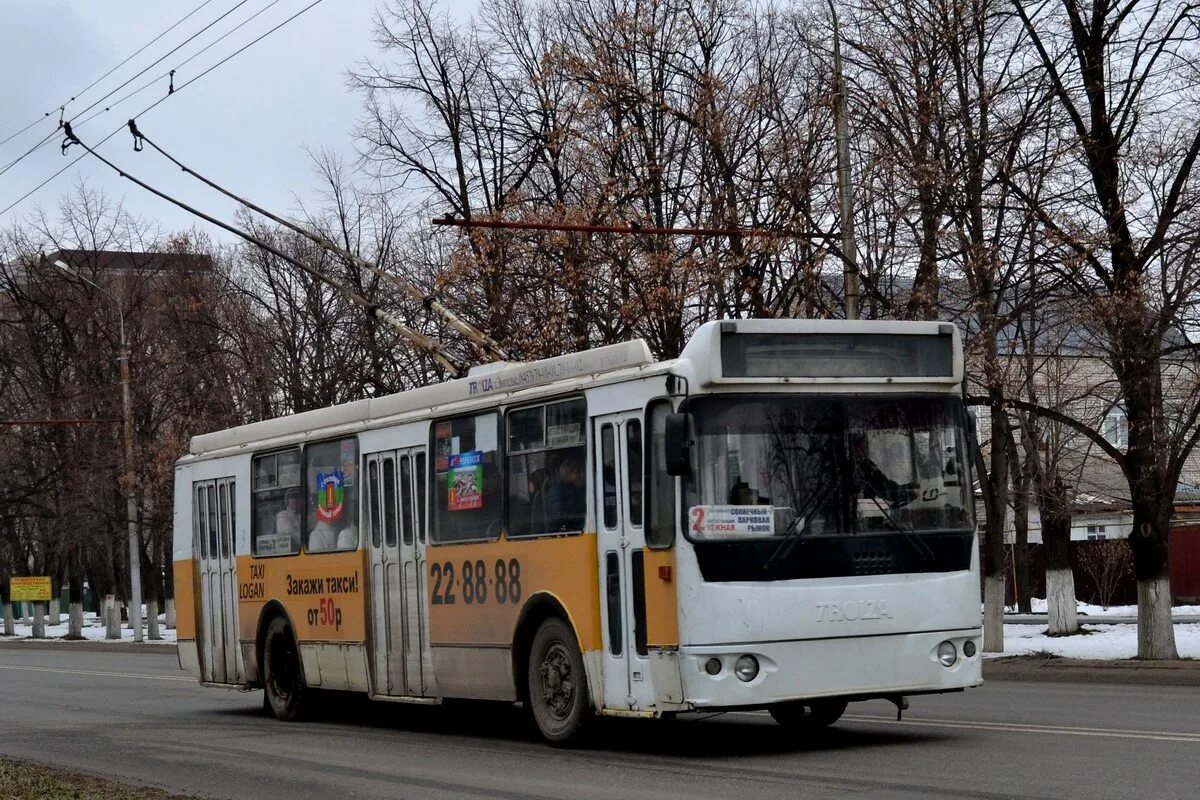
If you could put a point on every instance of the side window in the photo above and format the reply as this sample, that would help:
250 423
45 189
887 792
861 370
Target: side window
275 504
660 487
467 490
633 469
389 502
201 520
547 468
212 520
608 461
406 503
223 513
420 470
332 520
373 500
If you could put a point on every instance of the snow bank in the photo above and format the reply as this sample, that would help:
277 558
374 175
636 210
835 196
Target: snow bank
1100 642
93 630
1087 609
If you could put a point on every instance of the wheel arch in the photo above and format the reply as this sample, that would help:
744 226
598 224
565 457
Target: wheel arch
537 609
270 611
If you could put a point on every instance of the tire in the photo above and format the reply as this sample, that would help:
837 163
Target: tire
285 693
557 689
808 716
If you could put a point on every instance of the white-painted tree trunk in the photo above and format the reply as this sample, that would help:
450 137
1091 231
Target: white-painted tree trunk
10 624
152 619
55 611
28 620
75 621
170 613
1060 602
39 621
112 617
1156 633
993 614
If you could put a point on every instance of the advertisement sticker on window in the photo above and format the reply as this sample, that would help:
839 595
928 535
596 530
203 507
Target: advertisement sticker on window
465 481
441 446
330 496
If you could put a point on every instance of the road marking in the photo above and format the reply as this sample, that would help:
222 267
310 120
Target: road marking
1019 727
137 676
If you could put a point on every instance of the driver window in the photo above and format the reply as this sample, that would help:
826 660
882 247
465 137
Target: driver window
467 491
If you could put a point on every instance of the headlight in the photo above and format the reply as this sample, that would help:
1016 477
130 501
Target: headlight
969 648
746 668
713 666
947 654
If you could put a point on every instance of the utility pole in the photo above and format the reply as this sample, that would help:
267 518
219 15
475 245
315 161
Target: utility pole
845 190
135 554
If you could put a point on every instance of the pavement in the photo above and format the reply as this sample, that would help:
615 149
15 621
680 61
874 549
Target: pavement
132 715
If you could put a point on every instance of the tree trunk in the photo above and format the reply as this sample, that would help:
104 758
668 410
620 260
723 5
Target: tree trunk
1021 546
112 620
39 621
1061 610
55 611
74 620
10 624
993 614
1156 633
170 613
152 616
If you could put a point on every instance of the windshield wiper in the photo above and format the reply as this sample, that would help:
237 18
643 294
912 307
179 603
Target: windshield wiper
795 529
906 531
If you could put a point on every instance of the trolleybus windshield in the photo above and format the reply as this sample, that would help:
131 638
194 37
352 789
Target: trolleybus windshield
771 467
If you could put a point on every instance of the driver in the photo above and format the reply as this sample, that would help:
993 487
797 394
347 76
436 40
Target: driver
871 480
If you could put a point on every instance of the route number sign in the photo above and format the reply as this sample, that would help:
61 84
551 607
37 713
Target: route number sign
34 590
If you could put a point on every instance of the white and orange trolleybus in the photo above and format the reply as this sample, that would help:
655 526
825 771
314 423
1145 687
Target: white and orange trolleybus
781 519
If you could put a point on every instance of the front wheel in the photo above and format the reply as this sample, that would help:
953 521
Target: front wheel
286 694
557 684
807 716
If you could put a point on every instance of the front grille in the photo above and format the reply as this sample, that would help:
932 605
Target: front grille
872 562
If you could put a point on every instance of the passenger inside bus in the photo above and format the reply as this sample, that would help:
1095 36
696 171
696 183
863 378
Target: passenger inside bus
287 520
566 497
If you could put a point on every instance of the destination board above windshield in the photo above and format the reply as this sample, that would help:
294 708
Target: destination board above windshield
836 355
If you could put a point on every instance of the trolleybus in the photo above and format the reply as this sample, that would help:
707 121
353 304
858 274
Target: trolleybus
781 519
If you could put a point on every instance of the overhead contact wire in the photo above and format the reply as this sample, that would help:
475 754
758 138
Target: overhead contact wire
433 349
153 105
87 88
469 331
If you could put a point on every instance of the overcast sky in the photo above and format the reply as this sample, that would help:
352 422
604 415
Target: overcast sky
246 125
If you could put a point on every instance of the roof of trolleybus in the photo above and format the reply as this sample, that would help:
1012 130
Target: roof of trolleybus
767 355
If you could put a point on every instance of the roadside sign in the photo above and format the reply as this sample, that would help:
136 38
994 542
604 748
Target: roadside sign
35 590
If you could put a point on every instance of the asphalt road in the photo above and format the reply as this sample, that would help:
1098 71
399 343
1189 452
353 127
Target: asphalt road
135 716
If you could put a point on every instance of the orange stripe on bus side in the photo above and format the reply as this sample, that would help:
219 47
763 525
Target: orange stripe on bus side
186 599
662 614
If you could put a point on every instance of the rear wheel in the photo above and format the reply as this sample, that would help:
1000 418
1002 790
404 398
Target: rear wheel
286 694
806 716
557 684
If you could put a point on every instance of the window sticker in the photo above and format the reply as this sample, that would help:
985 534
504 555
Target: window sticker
465 481
330 496
559 435
441 446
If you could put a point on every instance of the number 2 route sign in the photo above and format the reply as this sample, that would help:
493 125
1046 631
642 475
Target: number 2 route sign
34 590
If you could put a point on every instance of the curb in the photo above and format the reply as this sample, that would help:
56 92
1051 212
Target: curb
1078 670
8 643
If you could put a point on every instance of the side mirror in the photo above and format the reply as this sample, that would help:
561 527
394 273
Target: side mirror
678 444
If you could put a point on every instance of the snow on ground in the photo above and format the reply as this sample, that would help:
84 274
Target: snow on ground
1100 641
93 630
1039 607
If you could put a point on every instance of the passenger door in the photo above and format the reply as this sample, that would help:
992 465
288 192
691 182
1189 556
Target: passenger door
214 521
617 482
396 503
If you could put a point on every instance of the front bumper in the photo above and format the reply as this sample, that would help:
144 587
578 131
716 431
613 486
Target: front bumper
793 670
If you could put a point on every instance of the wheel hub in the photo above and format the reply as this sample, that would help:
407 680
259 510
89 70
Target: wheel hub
558 685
